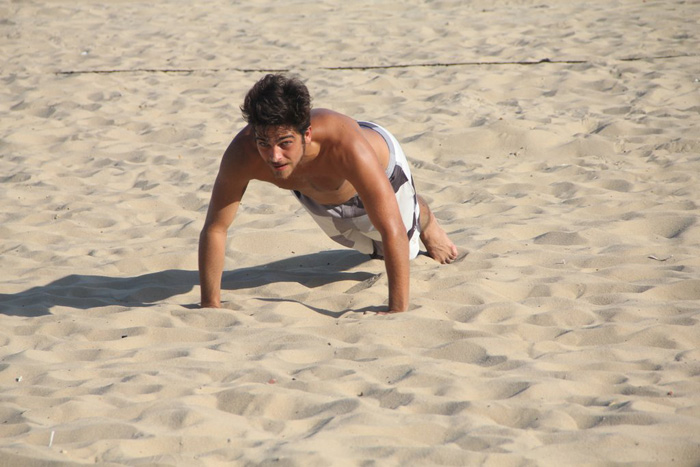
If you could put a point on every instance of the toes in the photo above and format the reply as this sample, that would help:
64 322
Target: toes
452 256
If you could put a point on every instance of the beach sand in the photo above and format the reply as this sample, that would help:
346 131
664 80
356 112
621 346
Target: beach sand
557 142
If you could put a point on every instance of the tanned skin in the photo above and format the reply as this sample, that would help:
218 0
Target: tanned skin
334 160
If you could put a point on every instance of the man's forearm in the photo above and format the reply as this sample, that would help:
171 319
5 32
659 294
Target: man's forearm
212 245
398 271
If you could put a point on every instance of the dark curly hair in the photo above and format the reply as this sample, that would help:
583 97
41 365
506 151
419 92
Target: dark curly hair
277 100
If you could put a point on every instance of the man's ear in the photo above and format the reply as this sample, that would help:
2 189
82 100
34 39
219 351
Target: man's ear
307 136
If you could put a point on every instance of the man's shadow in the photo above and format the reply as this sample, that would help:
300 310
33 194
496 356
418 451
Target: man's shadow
88 291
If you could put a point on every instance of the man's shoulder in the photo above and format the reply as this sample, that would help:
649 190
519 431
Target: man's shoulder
329 126
242 146
327 117
241 153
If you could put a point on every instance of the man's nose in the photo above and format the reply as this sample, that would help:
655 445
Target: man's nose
275 154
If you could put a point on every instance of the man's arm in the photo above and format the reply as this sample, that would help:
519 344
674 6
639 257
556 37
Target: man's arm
229 187
363 171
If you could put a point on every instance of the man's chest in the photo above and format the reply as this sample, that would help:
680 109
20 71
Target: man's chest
323 190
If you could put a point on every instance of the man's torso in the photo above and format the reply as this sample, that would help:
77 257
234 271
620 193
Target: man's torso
319 176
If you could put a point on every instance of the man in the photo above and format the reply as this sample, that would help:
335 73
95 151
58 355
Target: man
352 177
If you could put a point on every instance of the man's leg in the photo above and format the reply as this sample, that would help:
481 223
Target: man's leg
436 241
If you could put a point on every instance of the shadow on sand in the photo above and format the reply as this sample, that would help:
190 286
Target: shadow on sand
87 291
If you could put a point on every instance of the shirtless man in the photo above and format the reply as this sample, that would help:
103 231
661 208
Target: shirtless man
352 177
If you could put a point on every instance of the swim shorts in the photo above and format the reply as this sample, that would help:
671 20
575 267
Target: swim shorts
348 223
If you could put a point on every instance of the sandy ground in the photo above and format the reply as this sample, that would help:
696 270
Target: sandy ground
558 143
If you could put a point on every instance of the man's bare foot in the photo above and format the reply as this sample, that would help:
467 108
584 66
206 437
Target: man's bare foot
436 241
438 244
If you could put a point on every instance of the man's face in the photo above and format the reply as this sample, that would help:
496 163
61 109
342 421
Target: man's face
281 148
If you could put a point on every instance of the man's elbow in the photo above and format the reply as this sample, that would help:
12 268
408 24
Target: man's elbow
212 230
395 229
395 234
